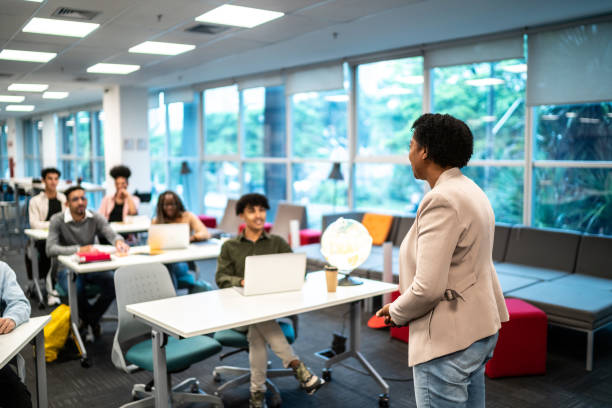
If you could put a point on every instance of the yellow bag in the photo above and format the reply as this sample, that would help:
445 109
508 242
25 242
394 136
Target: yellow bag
56 332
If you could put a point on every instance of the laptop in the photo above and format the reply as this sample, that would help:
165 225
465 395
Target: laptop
275 273
168 236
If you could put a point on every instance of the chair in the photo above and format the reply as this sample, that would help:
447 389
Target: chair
230 221
141 283
238 340
284 214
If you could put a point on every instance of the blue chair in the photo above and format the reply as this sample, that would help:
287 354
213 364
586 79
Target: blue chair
238 340
142 283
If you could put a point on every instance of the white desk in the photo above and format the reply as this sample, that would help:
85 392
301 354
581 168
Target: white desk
228 309
41 234
206 250
13 342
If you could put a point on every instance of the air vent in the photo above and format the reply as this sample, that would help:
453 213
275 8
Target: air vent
5 75
207 29
85 79
74 14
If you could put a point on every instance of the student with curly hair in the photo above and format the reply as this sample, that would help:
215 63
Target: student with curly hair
115 207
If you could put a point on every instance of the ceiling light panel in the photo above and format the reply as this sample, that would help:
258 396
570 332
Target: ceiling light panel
27 56
121 69
28 87
161 48
63 28
238 16
12 98
20 108
55 95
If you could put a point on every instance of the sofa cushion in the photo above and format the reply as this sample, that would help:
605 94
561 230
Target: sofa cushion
399 229
595 256
587 282
543 248
566 303
531 272
511 282
500 241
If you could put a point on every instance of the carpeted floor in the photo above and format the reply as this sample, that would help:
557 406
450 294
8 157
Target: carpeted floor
566 383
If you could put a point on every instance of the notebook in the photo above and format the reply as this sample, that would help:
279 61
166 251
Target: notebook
275 273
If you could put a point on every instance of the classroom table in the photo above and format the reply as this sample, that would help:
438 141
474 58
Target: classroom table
229 309
13 342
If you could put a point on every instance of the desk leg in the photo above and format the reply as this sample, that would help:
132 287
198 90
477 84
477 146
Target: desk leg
161 378
41 371
355 347
35 272
73 301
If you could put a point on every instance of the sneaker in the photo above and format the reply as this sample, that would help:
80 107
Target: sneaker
53 300
258 400
308 381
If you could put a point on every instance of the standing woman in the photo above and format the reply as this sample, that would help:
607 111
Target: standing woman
170 210
450 293
115 207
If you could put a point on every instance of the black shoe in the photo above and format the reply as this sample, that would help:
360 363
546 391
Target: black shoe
96 330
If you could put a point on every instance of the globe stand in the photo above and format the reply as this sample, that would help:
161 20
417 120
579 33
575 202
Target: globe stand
349 280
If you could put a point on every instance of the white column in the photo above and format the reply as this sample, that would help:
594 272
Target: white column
15 145
48 150
126 134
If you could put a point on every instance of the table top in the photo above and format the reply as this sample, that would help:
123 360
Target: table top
118 227
207 312
139 255
13 342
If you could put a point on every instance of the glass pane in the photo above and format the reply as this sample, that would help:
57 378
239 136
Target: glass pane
313 188
388 188
184 181
68 171
157 131
504 188
390 99
158 179
221 120
183 120
573 198
319 121
268 179
264 122
99 129
83 134
99 176
85 170
28 129
490 98
221 181
66 125
573 132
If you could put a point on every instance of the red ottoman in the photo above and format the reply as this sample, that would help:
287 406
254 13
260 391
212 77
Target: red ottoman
310 236
521 346
267 227
400 333
210 222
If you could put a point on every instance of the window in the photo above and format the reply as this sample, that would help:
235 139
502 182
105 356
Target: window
221 120
263 110
33 141
4 162
269 179
221 181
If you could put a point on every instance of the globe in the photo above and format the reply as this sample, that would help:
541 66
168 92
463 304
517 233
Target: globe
346 244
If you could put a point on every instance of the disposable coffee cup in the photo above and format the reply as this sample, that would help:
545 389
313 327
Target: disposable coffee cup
331 277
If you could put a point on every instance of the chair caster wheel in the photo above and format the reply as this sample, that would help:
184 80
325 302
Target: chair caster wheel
85 362
217 377
327 374
383 400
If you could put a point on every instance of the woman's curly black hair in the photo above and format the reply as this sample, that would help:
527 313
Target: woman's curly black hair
448 141
120 171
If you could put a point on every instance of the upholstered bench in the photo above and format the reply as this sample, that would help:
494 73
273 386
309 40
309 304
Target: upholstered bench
521 346
209 221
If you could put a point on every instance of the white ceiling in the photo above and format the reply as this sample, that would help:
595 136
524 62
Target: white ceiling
311 31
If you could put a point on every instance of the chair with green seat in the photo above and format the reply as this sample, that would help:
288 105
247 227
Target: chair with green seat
238 340
132 345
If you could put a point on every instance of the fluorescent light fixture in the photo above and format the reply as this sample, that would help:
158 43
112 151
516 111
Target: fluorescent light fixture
488 119
12 98
570 115
27 56
55 95
550 117
70 123
122 69
36 1
590 121
63 28
84 120
20 108
161 48
337 98
484 81
28 87
238 16
516 68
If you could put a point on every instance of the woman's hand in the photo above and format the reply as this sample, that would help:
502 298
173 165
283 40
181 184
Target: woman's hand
384 312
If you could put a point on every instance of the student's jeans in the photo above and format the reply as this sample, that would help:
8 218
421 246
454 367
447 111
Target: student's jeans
455 380
182 279
100 284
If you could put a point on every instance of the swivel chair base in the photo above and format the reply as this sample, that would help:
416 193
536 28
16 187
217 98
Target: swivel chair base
183 392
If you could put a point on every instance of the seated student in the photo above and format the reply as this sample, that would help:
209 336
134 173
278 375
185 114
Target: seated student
40 209
14 310
115 207
254 240
74 230
170 210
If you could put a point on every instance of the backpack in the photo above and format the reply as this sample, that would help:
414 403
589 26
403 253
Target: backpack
56 332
